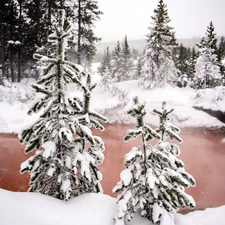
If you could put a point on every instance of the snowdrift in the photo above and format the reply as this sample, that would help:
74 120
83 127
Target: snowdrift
88 209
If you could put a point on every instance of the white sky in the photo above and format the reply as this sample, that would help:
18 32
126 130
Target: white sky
189 18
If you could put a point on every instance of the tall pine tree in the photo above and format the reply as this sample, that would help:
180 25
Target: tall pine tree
221 56
67 155
105 64
117 62
159 67
85 14
122 63
127 63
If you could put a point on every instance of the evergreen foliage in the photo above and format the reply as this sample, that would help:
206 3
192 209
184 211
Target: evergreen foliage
207 69
25 26
138 69
117 70
221 56
182 57
1 77
154 180
122 63
126 61
12 26
105 63
67 155
159 67
86 14
192 63
106 80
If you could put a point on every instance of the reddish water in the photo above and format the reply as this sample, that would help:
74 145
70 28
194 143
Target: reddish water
202 152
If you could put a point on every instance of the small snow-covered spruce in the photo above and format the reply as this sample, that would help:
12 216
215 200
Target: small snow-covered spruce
137 182
67 155
167 172
106 80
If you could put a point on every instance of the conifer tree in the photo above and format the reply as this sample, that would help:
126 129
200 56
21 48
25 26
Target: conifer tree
183 62
221 56
182 57
169 193
134 183
85 14
122 63
222 47
192 63
127 63
117 71
67 155
159 67
10 22
106 80
138 69
105 63
154 180
207 70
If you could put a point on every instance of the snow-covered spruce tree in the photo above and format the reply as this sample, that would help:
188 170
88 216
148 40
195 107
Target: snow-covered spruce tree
221 55
136 183
138 68
127 63
207 69
106 80
153 183
105 63
122 63
117 70
169 178
67 155
159 67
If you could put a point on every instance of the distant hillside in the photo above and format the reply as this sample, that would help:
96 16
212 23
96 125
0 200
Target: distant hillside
137 45
141 43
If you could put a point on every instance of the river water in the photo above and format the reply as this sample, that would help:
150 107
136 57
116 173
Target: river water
202 151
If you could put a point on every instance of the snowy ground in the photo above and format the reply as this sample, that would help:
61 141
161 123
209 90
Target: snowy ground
88 209
16 100
96 209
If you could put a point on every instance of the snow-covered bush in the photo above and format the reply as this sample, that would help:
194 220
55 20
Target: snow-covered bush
117 102
210 98
10 97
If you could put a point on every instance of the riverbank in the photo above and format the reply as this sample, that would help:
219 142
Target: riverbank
202 151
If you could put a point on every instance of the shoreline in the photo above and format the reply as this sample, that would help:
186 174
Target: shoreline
212 130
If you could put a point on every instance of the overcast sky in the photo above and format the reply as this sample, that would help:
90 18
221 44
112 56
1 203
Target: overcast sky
189 18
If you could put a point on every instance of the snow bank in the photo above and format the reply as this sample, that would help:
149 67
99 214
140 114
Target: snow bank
38 209
16 100
88 209
211 216
209 98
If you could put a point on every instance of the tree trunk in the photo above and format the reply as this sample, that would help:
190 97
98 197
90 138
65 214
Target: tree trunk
2 43
20 39
11 66
145 156
79 34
